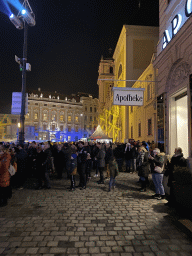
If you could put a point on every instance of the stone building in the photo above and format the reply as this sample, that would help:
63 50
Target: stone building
143 119
9 127
174 64
132 55
55 117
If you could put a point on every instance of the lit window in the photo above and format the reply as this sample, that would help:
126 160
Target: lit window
131 132
61 118
149 127
77 119
44 116
53 117
69 118
139 130
149 92
36 116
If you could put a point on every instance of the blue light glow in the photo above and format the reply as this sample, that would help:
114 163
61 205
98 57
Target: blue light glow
23 12
11 16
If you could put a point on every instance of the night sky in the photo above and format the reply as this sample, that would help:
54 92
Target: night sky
65 46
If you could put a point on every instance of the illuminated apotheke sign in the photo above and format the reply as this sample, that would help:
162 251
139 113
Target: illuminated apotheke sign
177 23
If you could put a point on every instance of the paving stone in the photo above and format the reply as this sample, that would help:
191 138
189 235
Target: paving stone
32 250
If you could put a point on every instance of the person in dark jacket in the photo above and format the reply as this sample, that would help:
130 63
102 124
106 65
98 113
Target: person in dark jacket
47 164
176 160
119 156
67 158
128 156
22 164
143 167
81 165
88 167
40 170
73 166
101 162
59 161
113 167
108 156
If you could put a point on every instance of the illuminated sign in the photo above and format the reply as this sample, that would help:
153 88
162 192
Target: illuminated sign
126 96
16 103
177 22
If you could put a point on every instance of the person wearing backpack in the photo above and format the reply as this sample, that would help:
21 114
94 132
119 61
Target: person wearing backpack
113 167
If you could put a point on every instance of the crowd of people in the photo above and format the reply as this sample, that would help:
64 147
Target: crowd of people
80 158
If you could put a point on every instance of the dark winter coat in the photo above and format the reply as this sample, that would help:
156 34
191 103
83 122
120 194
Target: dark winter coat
101 158
144 165
108 155
113 168
176 160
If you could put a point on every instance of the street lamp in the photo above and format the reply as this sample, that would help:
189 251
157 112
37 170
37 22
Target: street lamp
22 20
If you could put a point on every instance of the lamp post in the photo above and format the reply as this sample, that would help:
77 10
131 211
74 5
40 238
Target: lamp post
22 20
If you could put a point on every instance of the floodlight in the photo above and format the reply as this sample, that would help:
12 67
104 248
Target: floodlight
16 21
28 17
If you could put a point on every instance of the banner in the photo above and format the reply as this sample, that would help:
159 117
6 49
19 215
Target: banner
16 103
125 96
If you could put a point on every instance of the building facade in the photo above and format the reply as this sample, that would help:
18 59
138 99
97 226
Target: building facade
174 64
132 55
143 119
9 127
55 117
109 117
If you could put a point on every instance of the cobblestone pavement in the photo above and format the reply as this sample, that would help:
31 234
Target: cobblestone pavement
123 222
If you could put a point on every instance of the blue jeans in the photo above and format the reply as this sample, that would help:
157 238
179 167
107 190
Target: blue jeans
158 182
111 182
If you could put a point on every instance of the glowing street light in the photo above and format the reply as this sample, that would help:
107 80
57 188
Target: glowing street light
28 17
16 21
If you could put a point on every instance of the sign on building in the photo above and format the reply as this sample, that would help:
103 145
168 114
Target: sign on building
16 103
125 96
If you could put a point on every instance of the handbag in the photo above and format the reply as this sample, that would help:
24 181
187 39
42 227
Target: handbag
159 169
11 170
74 172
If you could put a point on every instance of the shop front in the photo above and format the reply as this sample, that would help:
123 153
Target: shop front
174 64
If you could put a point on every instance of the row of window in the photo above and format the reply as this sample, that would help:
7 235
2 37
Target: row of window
69 118
149 126
69 129
45 105
53 128
54 117
91 109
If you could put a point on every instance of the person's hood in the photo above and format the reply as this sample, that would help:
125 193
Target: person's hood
161 154
178 155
